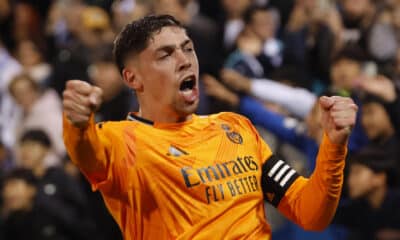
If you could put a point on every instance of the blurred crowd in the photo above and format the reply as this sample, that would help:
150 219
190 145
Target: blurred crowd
267 59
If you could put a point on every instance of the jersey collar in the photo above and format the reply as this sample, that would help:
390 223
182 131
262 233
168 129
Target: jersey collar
133 117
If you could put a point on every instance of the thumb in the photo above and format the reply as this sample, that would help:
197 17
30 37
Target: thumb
95 97
326 102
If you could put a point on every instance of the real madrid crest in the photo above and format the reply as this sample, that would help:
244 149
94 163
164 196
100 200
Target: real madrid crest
232 135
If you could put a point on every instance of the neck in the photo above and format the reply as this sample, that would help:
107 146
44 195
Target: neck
39 171
36 97
162 117
376 198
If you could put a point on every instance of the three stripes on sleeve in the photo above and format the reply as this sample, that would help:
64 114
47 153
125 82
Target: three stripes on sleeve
277 177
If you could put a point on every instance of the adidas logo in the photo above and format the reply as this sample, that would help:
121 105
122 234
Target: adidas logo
175 151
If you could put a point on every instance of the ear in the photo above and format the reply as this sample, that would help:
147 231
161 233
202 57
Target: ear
132 79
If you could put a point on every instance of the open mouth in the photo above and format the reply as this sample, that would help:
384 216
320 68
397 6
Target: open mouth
188 84
188 89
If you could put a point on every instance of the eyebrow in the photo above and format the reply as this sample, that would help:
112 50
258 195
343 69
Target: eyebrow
167 48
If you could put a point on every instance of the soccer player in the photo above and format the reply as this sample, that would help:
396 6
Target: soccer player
167 173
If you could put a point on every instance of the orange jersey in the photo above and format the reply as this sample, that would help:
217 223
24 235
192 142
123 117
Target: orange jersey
205 178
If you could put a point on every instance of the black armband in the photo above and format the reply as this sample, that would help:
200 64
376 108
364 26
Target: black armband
276 178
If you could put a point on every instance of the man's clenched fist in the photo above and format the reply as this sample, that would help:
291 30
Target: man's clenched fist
80 100
338 117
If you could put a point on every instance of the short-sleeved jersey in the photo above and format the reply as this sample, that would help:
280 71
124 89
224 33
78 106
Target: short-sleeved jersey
199 179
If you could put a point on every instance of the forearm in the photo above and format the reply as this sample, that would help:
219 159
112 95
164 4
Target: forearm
85 149
273 122
298 101
312 202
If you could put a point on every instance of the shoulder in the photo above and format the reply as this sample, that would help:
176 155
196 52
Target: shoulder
115 126
232 119
229 116
117 130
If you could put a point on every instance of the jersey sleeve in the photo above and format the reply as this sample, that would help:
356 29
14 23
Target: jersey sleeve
277 176
99 155
312 203
309 202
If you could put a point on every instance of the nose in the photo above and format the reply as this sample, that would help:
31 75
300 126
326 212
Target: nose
183 60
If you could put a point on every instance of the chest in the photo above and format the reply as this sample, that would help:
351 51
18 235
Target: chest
211 165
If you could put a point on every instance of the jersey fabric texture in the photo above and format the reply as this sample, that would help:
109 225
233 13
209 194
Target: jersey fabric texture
206 178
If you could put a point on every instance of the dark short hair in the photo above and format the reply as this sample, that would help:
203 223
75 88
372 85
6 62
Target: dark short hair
135 36
23 174
351 52
370 98
379 161
251 11
36 135
23 77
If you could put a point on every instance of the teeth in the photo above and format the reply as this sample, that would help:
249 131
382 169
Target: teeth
187 91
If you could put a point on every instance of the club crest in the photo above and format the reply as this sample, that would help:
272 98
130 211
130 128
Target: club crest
232 135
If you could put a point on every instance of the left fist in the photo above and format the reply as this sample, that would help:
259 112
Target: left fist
338 117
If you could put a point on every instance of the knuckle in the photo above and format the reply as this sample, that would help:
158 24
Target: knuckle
66 94
337 122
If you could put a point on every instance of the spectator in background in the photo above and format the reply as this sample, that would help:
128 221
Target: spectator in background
40 109
27 24
244 58
373 213
346 71
59 199
383 39
92 31
20 217
258 52
61 26
388 92
358 18
9 68
311 38
33 61
377 125
104 73
232 22
264 23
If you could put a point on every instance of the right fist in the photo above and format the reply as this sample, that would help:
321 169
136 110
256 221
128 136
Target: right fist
80 100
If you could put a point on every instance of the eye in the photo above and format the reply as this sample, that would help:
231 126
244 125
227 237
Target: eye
165 55
188 49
